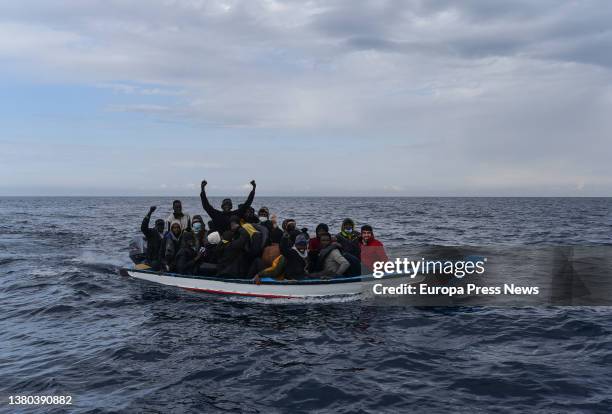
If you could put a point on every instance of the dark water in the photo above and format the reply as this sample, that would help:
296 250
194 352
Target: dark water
70 325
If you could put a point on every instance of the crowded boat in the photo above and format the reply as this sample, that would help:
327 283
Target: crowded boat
241 243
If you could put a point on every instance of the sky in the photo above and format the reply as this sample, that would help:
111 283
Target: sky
329 97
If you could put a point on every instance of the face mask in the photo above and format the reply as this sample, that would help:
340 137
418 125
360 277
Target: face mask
263 219
348 229
197 227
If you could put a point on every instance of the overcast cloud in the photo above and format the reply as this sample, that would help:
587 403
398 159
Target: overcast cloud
433 97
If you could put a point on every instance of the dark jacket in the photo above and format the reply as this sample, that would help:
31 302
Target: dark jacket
274 233
186 261
212 253
154 240
295 265
169 248
349 242
233 254
221 219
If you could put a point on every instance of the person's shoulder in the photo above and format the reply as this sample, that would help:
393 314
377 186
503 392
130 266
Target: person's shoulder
335 252
376 242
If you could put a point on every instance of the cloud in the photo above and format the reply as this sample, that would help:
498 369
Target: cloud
465 86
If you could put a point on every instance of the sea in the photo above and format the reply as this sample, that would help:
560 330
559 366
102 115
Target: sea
71 325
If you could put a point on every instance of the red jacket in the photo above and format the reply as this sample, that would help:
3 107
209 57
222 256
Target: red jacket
314 244
372 252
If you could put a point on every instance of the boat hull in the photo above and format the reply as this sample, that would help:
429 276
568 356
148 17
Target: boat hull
310 288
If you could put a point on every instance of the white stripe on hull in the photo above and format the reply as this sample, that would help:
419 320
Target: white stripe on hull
287 290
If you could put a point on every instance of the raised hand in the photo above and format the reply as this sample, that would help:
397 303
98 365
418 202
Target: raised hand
152 209
204 182
253 184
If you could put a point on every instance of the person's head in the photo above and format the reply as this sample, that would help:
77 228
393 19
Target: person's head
301 242
214 238
188 239
228 235
197 223
367 233
321 228
177 206
175 229
226 205
250 212
159 225
289 225
324 239
348 225
263 214
234 223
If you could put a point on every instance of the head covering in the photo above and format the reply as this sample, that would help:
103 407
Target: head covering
301 240
197 218
285 222
348 221
263 210
159 221
214 238
226 201
234 219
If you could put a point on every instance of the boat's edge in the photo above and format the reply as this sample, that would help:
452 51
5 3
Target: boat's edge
317 288
349 279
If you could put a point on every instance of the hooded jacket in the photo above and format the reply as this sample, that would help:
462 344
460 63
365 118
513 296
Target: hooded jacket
295 265
349 241
221 219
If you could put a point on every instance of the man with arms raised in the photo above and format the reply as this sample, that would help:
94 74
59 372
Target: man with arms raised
221 218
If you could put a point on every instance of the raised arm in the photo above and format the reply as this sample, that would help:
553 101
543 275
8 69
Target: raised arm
243 208
210 210
144 227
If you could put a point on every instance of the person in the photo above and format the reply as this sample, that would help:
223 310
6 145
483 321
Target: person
210 255
177 216
274 233
296 255
249 215
371 249
199 229
232 261
276 270
221 218
154 238
170 246
348 237
289 227
188 258
314 243
330 261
